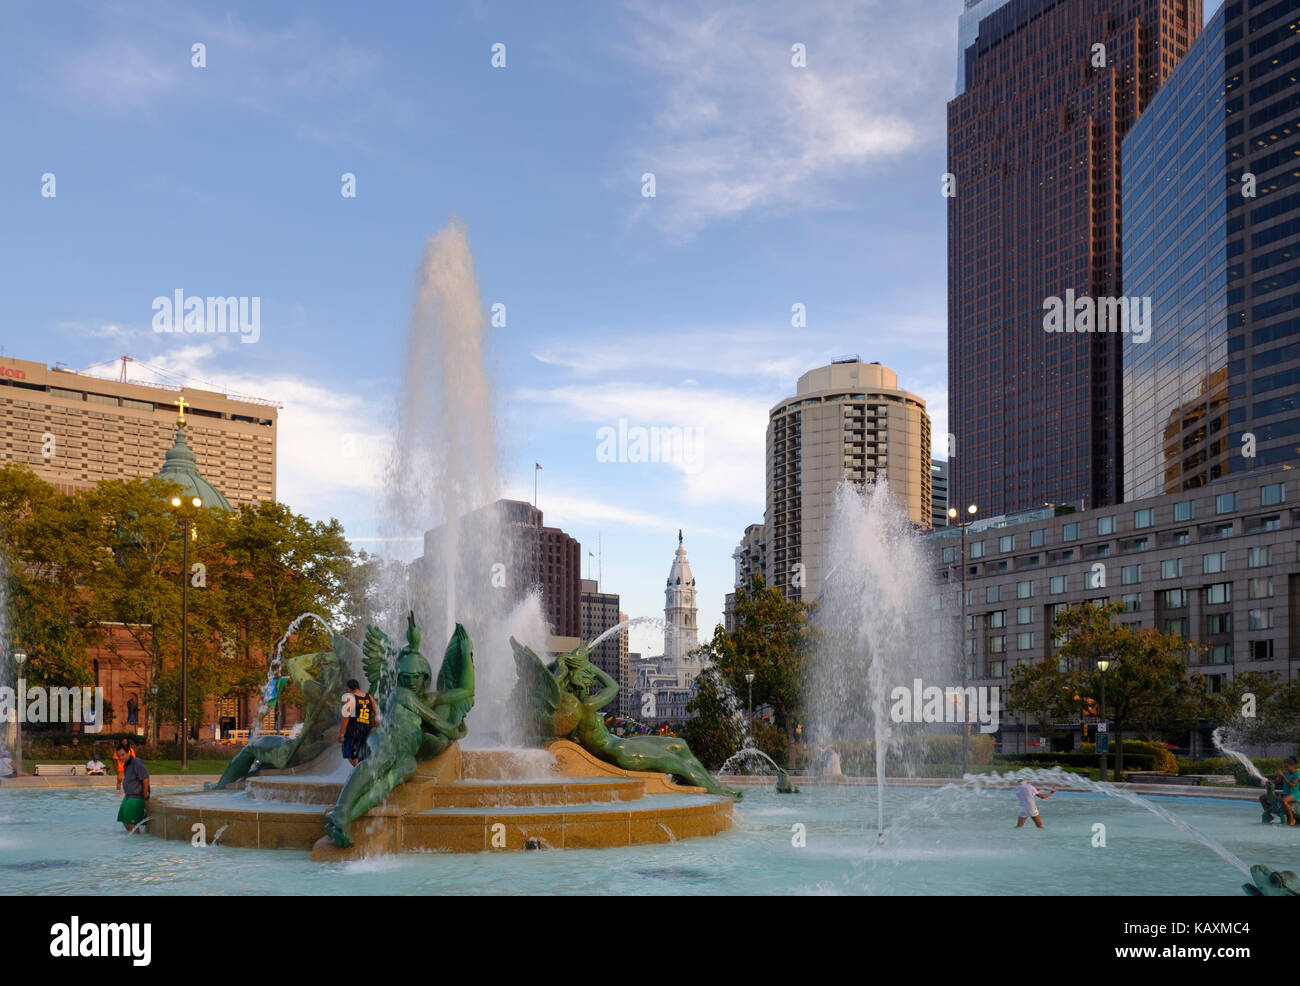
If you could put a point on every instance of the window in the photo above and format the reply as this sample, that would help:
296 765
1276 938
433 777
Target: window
1219 592
1025 614
1272 495
1174 539
998 618
997 669
993 594
1131 574
1100 550
1261 650
1171 568
1178 627
1220 654
1007 542
1225 503
997 645
1132 602
1070 532
1261 588
1105 525
977 549
1175 598
1218 623
1212 532
1058 585
1129 545
1259 557
1215 563
949 555
1144 518
996 567
1186 510
1268 522
1038 538
1024 590
1260 619
1025 641
1095 577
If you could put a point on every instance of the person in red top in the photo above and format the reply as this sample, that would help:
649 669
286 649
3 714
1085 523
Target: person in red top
121 755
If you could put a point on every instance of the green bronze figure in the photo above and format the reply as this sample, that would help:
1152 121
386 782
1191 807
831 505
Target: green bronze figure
415 724
1271 883
320 678
562 706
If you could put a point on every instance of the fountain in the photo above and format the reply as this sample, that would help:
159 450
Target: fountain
870 622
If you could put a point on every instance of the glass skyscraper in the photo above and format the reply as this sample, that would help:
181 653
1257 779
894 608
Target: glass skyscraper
1211 207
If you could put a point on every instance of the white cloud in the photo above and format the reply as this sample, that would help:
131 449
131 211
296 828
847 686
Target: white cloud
741 128
726 464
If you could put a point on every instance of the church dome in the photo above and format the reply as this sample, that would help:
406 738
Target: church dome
182 468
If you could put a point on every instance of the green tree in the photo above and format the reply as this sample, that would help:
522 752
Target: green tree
1148 684
712 733
774 640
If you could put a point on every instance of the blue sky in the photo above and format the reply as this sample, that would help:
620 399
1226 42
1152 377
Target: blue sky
775 186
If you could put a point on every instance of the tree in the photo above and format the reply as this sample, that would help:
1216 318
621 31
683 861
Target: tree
712 732
1147 684
773 639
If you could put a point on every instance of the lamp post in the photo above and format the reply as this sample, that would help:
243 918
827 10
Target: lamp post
965 729
749 678
179 505
20 657
1102 748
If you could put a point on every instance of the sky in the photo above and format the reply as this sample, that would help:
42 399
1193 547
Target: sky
775 186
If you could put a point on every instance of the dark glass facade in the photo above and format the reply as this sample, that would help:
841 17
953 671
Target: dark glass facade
1222 267
1034 143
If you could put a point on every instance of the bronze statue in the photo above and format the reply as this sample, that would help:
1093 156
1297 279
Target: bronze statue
559 704
416 724
320 678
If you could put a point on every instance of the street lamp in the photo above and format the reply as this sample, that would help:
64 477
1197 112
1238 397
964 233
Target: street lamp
952 518
749 678
1102 748
20 657
178 505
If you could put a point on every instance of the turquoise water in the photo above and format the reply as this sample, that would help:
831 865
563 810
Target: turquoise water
67 841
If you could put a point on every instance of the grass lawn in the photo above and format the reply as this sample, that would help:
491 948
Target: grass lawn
154 766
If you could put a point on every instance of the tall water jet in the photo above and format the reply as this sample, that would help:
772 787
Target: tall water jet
442 478
872 632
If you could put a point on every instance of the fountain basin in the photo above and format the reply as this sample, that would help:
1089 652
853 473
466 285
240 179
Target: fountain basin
461 801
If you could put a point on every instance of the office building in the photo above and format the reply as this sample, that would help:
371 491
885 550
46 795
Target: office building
1218 565
750 558
599 612
1048 89
1211 204
74 430
939 492
848 421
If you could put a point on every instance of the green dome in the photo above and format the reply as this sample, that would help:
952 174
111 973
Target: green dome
182 468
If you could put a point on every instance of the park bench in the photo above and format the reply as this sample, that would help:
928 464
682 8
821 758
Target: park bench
59 770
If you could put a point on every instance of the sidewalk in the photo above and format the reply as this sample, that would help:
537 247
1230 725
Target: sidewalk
1167 790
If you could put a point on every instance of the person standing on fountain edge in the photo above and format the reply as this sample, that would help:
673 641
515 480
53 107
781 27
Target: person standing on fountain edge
135 793
1026 792
360 713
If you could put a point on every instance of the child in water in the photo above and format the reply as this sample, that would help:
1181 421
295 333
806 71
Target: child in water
1026 792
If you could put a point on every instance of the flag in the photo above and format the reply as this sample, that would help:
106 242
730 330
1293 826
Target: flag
537 465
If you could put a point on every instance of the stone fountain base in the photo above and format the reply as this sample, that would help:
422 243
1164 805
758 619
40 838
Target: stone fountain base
462 801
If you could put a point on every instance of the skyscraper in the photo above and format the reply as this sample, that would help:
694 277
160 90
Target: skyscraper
600 612
848 421
1050 89
1212 220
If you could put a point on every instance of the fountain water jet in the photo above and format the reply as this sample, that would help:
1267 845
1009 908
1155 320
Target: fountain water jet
1217 738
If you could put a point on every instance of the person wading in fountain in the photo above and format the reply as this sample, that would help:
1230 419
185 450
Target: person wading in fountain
135 791
1026 792
360 713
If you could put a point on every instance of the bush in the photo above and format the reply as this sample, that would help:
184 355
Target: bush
1134 761
911 755
53 747
1268 766
1164 761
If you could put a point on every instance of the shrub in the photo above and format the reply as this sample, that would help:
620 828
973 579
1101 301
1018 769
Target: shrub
1268 766
1164 761
1135 761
